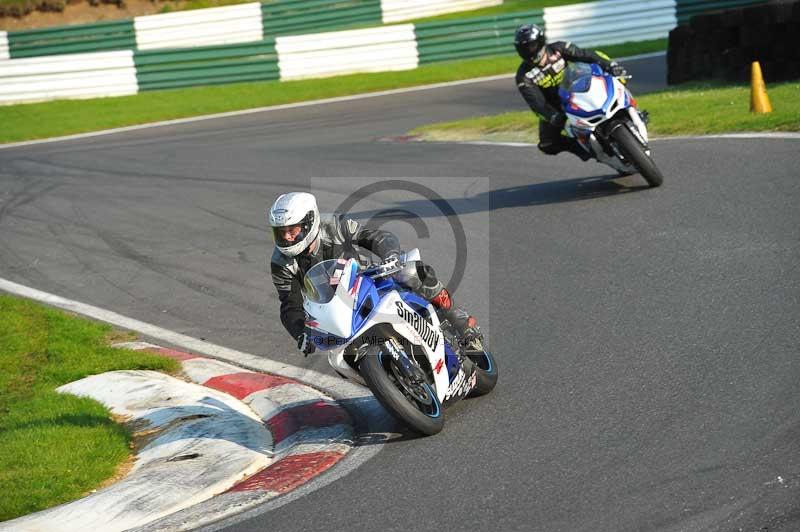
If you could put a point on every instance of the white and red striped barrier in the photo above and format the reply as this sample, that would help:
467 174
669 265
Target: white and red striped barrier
310 431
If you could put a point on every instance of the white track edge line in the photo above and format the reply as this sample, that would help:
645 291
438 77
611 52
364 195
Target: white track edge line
281 107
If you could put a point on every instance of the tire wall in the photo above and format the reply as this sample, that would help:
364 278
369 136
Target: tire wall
721 45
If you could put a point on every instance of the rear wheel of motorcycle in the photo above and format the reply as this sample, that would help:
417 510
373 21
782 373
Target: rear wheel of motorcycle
415 405
485 371
634 152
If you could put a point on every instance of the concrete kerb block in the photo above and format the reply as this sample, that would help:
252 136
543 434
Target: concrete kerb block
230 439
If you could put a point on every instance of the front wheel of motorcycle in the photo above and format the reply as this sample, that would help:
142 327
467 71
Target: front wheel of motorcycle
415 404
634 152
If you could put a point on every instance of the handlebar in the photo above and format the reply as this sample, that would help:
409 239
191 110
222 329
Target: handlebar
384 269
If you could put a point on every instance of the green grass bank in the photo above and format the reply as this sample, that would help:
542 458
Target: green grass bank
687 110
55 447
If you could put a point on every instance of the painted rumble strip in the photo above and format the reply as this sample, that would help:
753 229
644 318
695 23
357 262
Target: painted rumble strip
198 442
296 415
241 432
306 421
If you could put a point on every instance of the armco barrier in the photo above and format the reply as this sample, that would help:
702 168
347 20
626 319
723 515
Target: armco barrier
346 52
201 27
68 76
209 65
471 37
289 17
400 10
610 21
103 36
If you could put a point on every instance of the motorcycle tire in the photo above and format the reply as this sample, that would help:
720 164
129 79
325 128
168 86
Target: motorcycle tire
634 152
485 370
376 369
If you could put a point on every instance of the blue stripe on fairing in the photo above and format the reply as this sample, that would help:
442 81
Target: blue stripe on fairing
414 301
365 291
353 275
326 342
596 71
451 361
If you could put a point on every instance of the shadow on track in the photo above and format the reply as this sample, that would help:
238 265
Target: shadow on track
550 192
562 191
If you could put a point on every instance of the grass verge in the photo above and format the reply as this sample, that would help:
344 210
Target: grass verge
687 110
56 447
66 117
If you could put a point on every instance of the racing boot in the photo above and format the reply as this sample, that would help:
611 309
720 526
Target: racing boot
465 325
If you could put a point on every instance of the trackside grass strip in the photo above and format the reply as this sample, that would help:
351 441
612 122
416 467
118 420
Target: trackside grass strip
66 117
688 110
56 447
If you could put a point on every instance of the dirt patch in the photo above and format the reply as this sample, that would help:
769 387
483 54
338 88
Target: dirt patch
117 336
121 472
85 13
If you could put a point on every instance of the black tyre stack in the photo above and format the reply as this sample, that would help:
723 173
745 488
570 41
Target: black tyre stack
721 45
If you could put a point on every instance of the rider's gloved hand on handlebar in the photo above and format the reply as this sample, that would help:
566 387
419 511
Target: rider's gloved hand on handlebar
306 344
617 70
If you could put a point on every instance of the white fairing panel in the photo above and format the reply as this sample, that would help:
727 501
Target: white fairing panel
335 317
389 312
594 98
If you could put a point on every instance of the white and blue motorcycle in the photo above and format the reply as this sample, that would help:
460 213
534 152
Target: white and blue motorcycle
379 334
603 118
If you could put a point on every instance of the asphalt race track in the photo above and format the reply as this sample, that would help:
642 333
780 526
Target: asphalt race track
647 339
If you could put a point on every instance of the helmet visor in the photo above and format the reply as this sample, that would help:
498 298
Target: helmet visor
289 235
535 51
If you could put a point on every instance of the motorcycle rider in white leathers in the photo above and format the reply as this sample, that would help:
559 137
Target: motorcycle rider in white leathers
304 238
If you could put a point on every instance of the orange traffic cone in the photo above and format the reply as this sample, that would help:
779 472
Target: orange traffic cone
759 101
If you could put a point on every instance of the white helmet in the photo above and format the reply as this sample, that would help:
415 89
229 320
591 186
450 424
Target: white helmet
294 208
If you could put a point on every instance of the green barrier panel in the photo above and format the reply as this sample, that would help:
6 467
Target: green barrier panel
290 17
473 37
101 37
207 65
686 9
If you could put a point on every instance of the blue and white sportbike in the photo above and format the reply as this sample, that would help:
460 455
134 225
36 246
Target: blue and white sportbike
602 116
380 334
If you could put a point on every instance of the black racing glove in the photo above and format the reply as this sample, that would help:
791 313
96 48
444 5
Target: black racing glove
306 344
617 70
558 120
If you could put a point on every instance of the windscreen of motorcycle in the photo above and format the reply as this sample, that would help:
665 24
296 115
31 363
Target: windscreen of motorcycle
320 282
577 78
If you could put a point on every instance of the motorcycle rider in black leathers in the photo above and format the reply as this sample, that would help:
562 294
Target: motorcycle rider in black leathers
538 78
304 238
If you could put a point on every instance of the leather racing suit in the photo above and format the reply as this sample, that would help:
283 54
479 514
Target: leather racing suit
539 87
338 238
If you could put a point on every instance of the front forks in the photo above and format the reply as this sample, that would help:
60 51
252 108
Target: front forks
409 370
